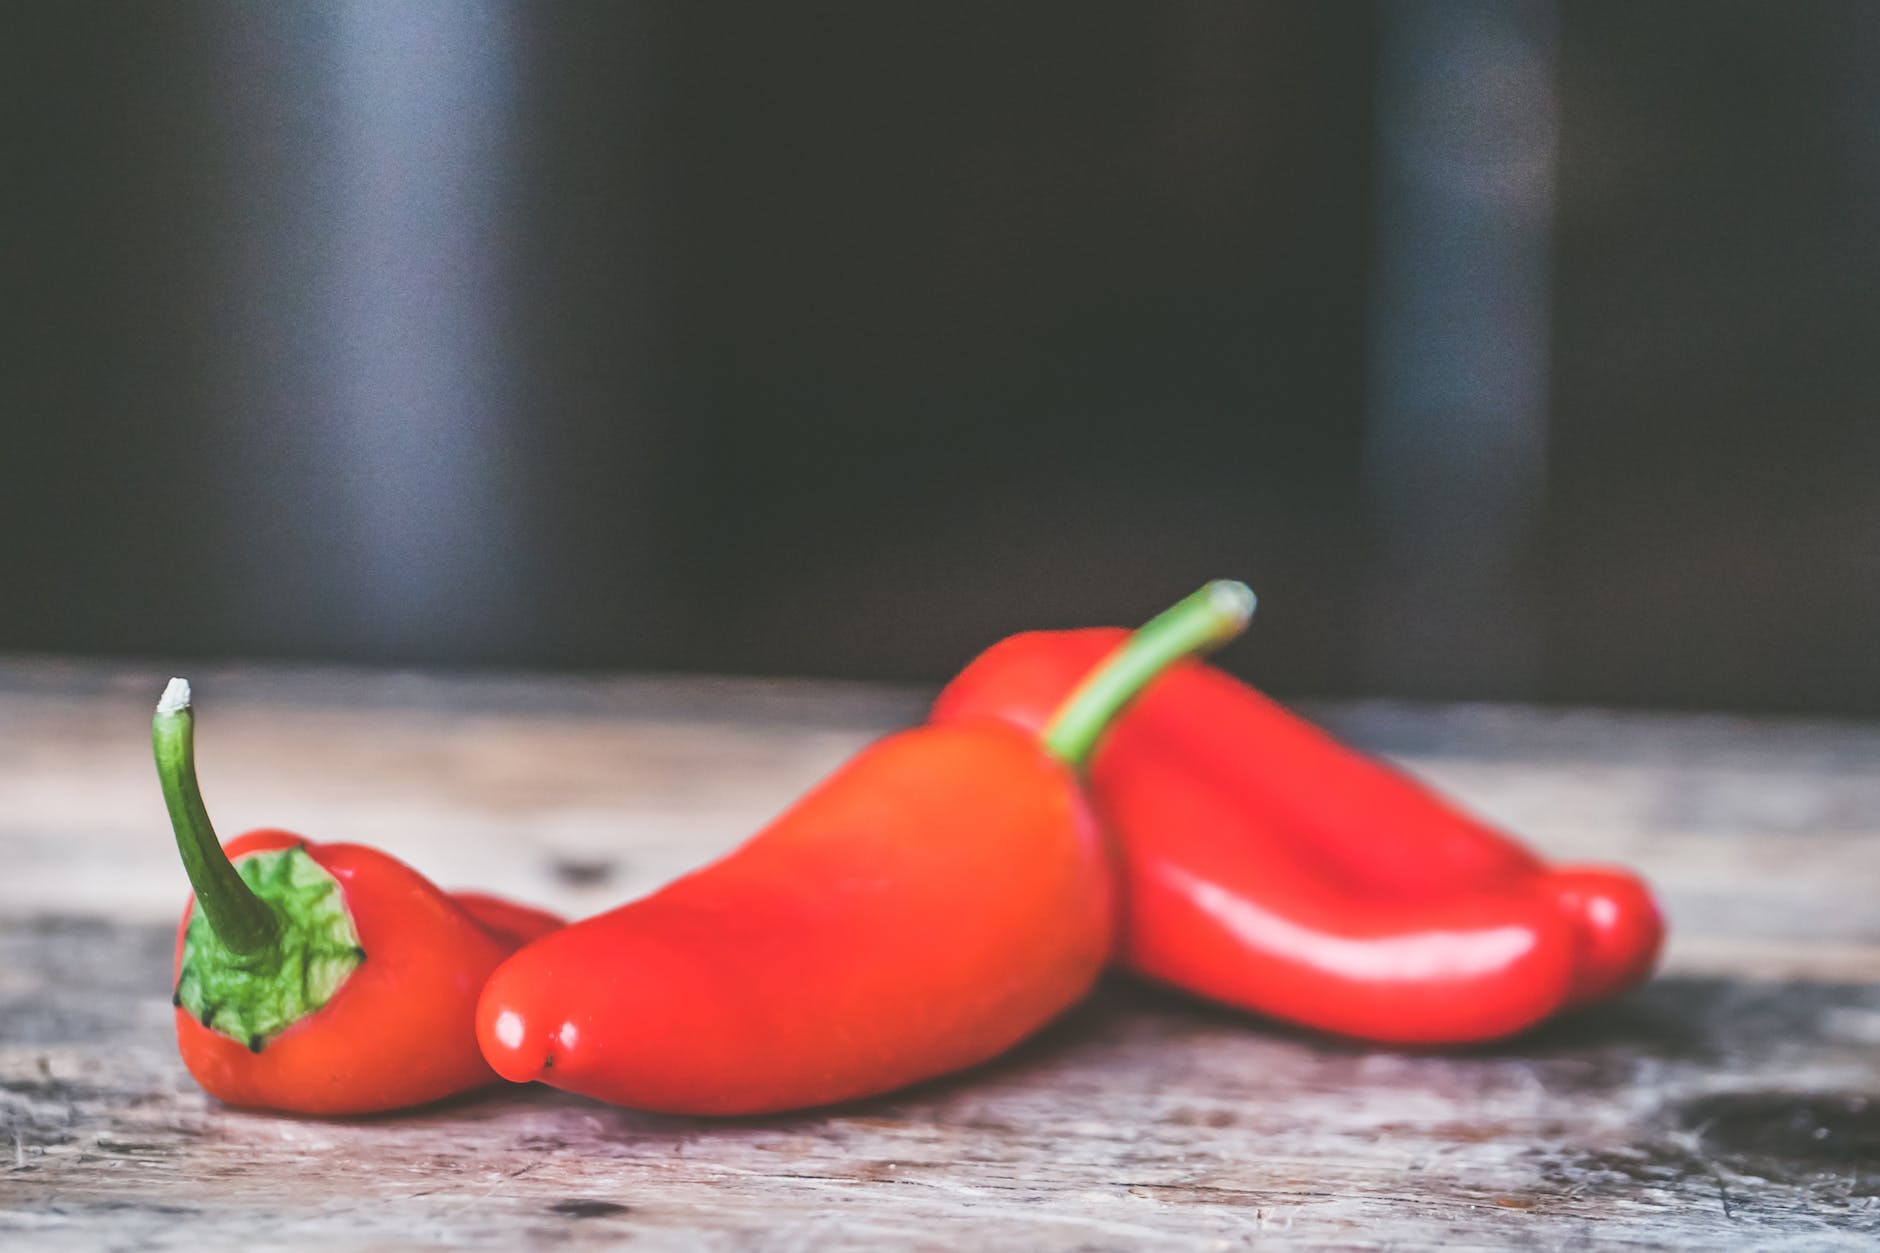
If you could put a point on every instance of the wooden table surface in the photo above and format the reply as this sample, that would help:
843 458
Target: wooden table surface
1734 1102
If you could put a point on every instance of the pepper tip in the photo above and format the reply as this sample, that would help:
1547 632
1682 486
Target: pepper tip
513 1046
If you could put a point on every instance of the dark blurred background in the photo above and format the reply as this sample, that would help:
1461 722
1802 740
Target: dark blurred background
1510 349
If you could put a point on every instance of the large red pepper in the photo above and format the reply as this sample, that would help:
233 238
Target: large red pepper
322 978
1269 866
939 897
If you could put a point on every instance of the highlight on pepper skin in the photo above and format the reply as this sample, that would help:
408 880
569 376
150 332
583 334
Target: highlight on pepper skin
513 1050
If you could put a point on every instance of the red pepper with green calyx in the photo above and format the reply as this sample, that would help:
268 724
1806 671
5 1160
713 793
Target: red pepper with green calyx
322 978
1270 867
938 898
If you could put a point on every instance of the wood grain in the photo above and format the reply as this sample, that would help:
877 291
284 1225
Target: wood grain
1735 1102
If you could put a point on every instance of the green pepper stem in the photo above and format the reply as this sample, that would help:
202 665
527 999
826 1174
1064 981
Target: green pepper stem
1203 622
242 921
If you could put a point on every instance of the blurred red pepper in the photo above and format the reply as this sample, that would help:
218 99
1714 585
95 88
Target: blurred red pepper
322 978
1268 866
938 898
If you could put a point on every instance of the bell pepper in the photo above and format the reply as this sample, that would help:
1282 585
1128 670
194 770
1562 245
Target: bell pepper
322 978
1268 866
942 895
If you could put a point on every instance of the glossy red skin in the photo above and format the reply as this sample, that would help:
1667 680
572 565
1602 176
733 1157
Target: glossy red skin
1379 836
938 898
399 1030
1221 903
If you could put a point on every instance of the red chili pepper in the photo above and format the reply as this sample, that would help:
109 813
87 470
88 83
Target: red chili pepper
1271 867
941 896
322 978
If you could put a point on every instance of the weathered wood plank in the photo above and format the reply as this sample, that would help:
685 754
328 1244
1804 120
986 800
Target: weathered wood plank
1733 1103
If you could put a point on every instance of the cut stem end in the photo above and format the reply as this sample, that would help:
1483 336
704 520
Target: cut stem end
175 697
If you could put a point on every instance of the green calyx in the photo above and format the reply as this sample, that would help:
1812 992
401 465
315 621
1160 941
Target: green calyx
270 940
251 998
